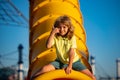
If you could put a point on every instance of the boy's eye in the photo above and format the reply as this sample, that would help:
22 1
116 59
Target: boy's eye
64 26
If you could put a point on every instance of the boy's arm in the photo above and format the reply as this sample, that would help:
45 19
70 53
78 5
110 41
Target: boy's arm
71 57
51 37
71 54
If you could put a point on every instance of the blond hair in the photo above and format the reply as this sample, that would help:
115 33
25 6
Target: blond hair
66 21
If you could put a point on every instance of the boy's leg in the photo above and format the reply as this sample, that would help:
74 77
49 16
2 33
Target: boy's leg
44 69
87 72
52 66
82 68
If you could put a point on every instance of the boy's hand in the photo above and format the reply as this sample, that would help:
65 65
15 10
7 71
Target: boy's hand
68 70
55 30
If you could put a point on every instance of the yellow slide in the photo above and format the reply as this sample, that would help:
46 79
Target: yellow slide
42 16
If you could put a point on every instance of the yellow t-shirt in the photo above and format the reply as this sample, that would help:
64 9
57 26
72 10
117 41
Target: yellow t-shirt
63 46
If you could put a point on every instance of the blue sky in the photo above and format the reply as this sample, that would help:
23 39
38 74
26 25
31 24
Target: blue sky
101 22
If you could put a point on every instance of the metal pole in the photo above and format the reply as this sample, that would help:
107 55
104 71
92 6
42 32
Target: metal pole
20 63
93 64
118 68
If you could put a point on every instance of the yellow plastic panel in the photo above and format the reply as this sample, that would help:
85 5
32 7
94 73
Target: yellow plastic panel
42 59
61 75
82 48
36 48
63 8
39 3
43 27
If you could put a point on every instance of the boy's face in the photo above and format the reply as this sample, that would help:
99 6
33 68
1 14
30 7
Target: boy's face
63 29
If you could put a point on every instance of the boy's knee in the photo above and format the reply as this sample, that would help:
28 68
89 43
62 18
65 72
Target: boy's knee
48 68
43 68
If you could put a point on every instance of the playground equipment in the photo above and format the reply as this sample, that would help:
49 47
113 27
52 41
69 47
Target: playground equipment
42 16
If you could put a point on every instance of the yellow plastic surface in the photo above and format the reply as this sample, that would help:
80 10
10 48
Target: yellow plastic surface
43 13
61 75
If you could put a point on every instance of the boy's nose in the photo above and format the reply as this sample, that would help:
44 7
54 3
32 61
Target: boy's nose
61 29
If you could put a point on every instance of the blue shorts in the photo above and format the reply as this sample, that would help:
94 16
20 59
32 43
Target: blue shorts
76 65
